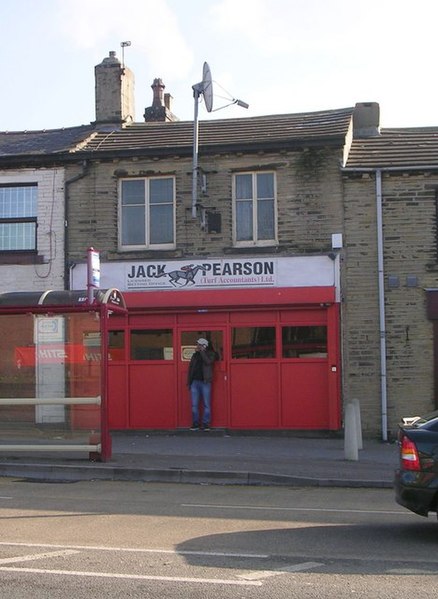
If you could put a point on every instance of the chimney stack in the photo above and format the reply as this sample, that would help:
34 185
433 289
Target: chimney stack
114 91
160 111
366 120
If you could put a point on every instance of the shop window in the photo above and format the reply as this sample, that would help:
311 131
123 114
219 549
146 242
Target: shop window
18 218
188 343
253 342
147 213
153 344
116 345
304 341
254 206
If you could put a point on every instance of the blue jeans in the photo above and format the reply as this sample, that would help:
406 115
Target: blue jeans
200 390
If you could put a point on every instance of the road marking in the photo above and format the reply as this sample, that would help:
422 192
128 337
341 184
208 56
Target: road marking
29 558
139 550
411 571
292 509
303 567
134 576
5 497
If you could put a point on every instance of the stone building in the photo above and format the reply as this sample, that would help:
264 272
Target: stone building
301 247
390 273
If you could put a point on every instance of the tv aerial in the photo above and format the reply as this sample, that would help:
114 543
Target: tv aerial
123 46
205 89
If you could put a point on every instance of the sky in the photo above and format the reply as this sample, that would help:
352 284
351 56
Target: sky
278 56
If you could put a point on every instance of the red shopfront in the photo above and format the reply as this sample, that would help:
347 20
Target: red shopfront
278 358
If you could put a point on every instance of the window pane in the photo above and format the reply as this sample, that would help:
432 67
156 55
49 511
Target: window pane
156 344
161 225
265 219
244 222
116 345
133 192
265 185
161 191
188 343
304 342
18 202
243 187
133 225
17 236
253 342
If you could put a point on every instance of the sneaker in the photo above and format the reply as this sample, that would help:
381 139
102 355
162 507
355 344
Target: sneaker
205 427
194 427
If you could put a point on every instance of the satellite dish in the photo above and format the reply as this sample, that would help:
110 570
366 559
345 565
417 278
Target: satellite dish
207 87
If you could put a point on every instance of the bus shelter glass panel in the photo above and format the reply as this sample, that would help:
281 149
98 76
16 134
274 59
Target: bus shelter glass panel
50 378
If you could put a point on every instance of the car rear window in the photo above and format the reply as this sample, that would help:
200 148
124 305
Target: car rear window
429 421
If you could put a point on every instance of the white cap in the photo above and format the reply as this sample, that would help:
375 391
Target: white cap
202 341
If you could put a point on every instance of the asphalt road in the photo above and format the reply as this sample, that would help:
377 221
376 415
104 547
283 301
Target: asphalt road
113 539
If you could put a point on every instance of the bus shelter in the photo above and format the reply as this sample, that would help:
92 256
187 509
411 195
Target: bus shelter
54 371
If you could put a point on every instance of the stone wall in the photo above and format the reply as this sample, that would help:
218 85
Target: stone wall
309 205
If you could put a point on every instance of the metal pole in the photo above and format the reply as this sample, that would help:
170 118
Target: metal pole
105 435
195 155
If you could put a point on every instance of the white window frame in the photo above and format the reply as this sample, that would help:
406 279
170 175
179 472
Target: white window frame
254 242
147 244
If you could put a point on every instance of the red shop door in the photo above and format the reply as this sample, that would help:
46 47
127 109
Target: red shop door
219 397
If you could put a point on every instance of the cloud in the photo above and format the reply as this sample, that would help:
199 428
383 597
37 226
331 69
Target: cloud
151 27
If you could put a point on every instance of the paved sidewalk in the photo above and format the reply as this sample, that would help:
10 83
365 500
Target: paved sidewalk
216 457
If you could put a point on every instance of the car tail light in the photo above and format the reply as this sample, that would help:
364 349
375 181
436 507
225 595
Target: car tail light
410 459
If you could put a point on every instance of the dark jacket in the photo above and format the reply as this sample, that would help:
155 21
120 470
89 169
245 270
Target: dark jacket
208 358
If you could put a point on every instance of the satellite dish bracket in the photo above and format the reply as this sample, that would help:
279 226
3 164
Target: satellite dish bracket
204 88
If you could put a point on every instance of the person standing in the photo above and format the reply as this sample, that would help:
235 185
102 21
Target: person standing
199 378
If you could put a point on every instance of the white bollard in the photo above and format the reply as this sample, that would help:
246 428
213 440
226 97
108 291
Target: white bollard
351 448
358 424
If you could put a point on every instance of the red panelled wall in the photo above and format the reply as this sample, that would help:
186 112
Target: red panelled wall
275 392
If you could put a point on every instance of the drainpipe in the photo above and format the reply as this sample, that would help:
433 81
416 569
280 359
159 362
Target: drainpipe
381 289
67 184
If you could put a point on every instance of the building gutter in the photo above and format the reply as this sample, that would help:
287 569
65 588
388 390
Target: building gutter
381 280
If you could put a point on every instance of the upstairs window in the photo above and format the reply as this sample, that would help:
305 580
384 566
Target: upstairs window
18 217
254 209
147 213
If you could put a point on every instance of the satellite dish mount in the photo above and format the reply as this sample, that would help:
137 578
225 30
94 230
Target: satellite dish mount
204 89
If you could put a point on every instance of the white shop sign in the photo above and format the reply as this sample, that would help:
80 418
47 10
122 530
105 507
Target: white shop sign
310 271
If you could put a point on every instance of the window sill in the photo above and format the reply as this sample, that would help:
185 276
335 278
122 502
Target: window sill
256 249
20 258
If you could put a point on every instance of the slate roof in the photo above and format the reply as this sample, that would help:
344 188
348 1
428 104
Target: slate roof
323 127
46 142
407 147
415 148
328 126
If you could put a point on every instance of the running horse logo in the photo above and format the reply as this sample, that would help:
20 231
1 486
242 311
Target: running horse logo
186 275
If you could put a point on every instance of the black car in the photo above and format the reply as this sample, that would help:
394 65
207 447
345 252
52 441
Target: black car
416 479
